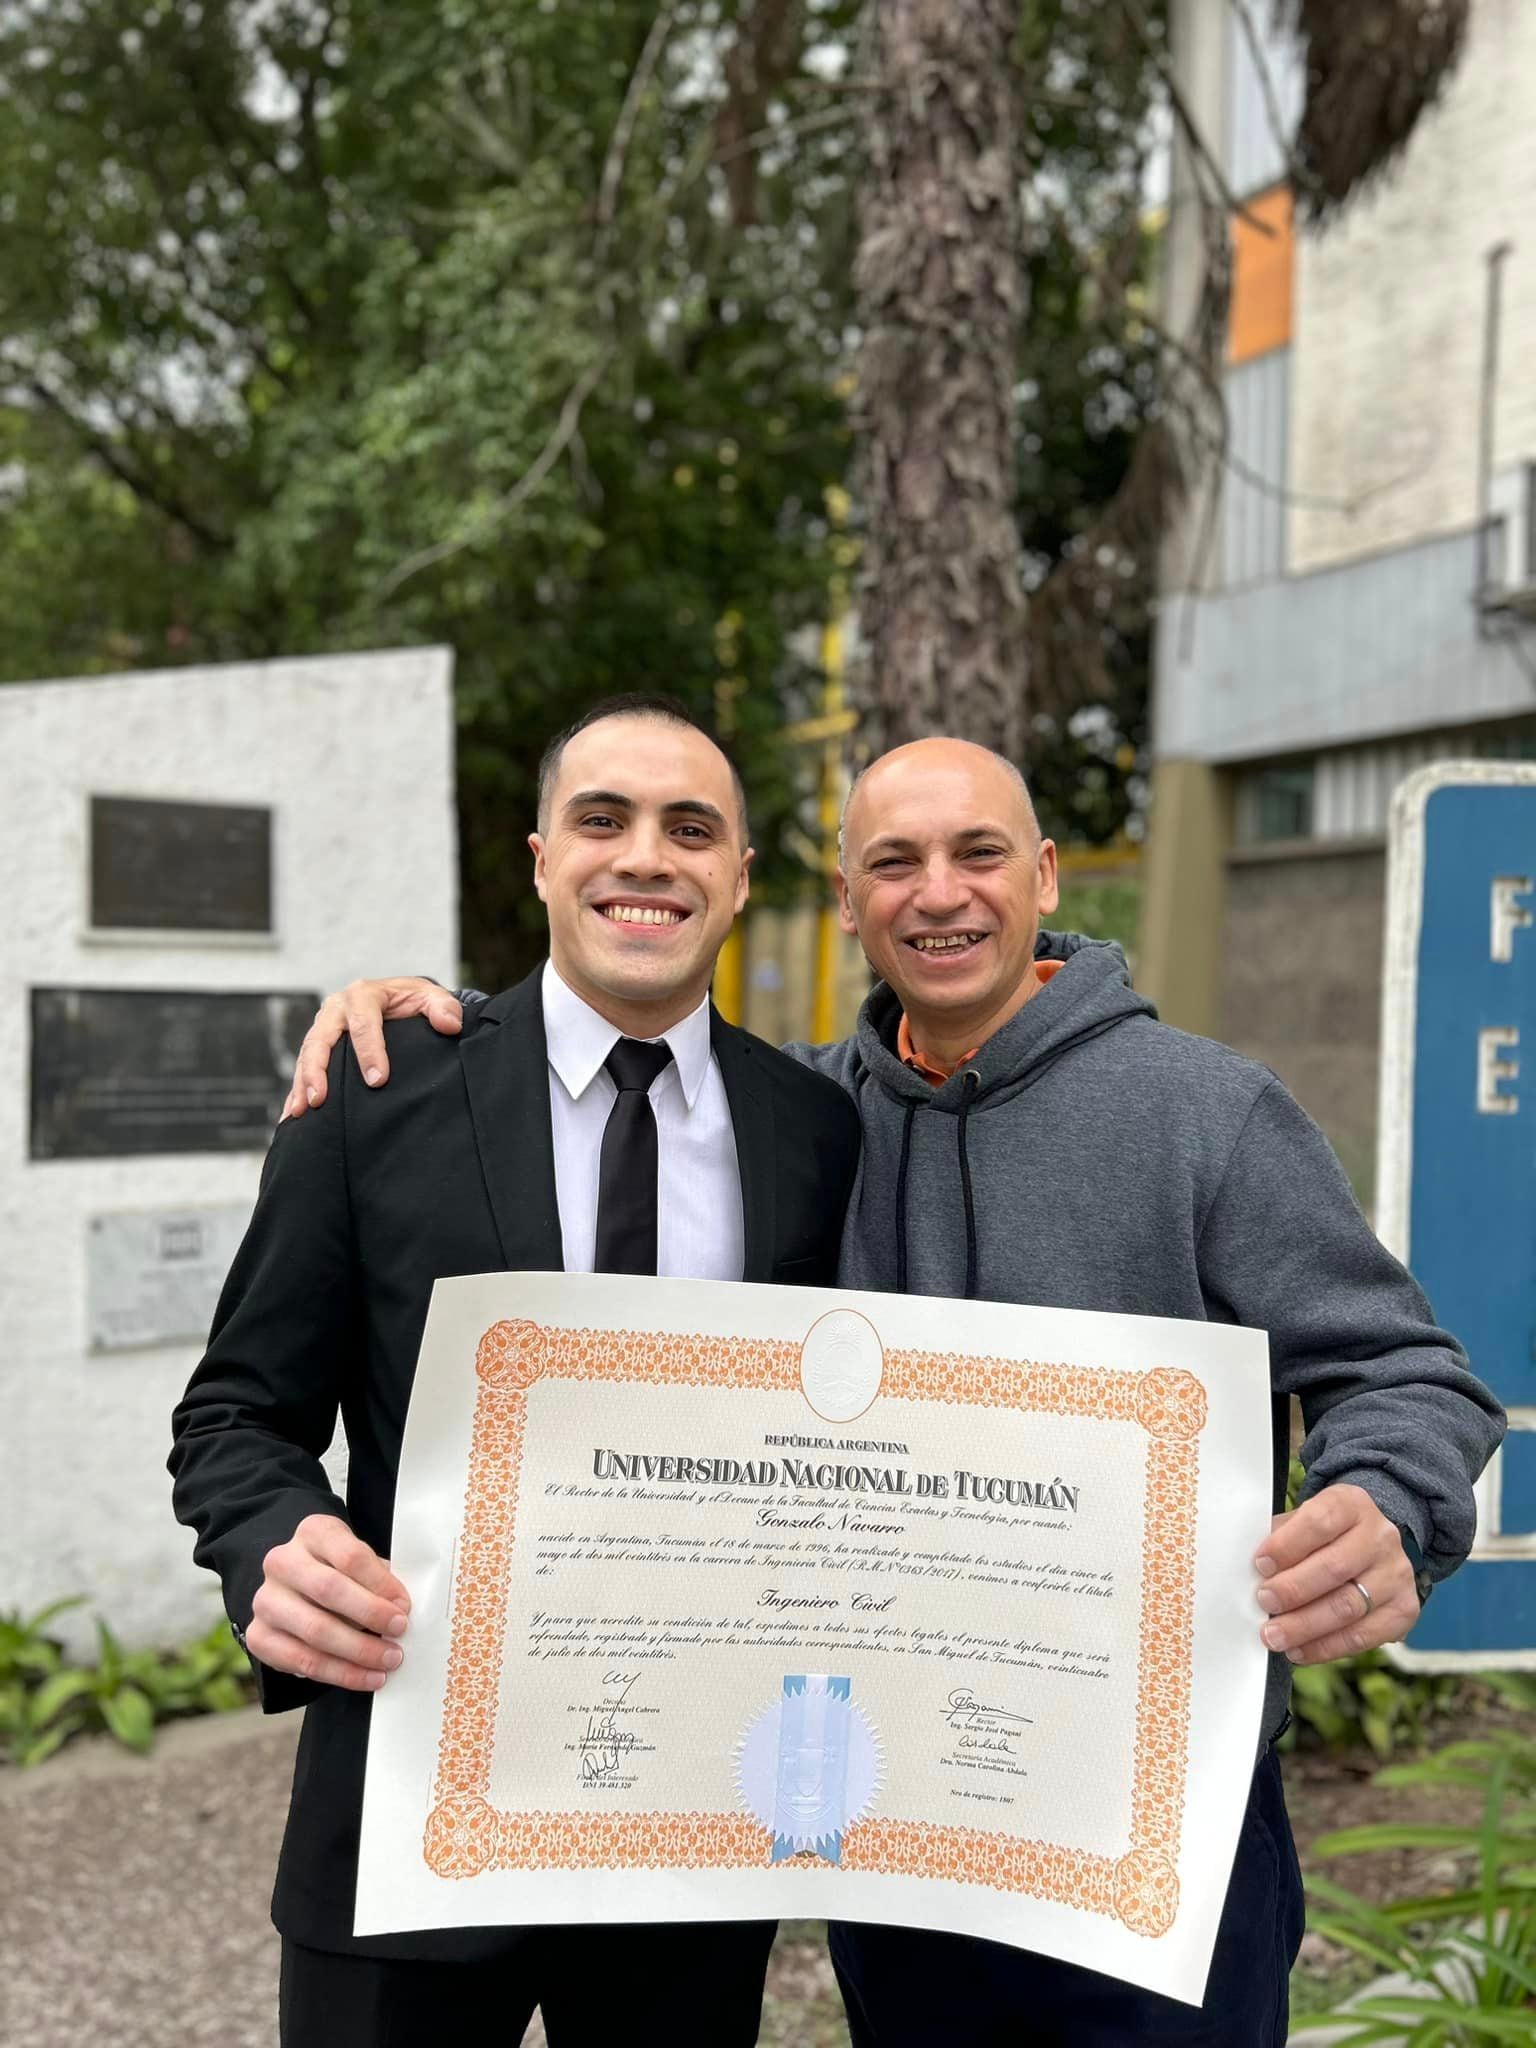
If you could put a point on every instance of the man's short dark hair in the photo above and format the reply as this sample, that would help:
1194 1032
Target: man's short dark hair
633 704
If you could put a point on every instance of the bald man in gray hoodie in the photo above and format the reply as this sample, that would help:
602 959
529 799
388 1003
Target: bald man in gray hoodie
1033 1134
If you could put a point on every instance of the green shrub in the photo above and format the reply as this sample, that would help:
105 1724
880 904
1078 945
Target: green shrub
45 1699
37 1704
1468 1954
1100 907
1367 1699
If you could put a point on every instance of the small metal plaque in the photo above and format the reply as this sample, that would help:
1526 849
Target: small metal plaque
117 1072
153 1276
180 867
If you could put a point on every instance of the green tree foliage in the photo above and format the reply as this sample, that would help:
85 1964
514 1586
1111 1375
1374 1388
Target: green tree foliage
521 326
1094 480
294 302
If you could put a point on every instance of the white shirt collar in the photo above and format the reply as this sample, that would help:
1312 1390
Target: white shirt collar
579 1040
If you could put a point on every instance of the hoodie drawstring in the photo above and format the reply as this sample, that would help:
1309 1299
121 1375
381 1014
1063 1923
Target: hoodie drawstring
901 1199
972 1087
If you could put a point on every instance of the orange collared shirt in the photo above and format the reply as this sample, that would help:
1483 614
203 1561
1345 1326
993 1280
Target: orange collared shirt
931 1070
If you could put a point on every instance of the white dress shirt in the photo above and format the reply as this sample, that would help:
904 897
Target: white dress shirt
698 1193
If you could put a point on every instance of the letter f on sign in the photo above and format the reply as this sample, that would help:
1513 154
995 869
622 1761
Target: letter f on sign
1509 914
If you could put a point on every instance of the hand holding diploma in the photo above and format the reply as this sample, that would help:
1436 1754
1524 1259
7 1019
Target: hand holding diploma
1336 1579
328 1609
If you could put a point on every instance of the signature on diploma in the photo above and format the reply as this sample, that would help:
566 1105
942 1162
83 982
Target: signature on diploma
981 1727
605 1747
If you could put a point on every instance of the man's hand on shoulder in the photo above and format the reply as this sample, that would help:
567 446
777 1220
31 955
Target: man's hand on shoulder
1336 1578
328 1609
360 1011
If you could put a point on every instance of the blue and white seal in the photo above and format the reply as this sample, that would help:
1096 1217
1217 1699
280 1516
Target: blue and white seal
809 1766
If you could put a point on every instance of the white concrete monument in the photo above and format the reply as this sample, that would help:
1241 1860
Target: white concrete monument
188 859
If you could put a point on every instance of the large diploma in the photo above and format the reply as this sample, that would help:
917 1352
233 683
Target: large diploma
739 1602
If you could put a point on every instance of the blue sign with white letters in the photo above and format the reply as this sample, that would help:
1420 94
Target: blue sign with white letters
1457 1151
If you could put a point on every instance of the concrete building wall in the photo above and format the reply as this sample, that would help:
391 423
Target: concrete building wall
1363 651
1389 316
1301 988
354 755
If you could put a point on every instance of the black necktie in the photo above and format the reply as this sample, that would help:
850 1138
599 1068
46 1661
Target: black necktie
626 1173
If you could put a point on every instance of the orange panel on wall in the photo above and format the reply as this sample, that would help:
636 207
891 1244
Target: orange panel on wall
1263 273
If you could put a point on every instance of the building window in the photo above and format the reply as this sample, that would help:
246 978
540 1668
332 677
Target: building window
1282 803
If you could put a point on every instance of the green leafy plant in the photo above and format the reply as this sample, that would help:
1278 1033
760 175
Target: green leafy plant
1367 1699
45 1699
1461 1964
210 1676
37 1697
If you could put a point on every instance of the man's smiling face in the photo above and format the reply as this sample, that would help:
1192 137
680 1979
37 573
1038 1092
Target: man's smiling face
944 878
641 866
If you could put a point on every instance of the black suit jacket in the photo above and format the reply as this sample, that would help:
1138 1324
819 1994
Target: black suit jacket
363 1204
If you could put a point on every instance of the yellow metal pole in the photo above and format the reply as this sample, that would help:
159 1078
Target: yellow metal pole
728 990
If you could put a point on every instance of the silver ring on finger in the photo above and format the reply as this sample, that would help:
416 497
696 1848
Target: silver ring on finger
1364 1593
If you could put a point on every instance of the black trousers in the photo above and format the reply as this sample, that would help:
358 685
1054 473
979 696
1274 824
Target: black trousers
595 1985
909 1990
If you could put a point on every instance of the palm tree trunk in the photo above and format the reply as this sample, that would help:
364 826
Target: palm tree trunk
940 288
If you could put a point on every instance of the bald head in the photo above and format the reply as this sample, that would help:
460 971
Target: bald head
944 877
932 769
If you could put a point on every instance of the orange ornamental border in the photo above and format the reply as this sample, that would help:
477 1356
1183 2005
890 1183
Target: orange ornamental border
465 1835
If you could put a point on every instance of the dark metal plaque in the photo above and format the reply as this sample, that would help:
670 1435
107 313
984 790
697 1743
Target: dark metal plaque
117 1072
180 867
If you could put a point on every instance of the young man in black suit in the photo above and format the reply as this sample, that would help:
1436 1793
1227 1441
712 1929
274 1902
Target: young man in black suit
599 1116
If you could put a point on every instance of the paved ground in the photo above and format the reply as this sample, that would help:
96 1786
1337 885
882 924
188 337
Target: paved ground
133 1899
133 1891
133 1895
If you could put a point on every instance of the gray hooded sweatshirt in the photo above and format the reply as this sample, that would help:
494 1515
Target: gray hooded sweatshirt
1090 1157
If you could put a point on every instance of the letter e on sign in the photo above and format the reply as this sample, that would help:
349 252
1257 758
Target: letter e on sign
1491 1070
